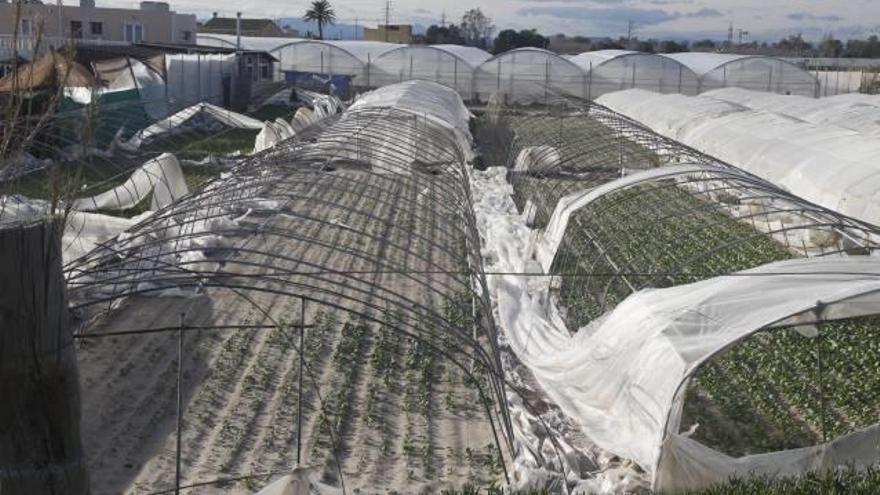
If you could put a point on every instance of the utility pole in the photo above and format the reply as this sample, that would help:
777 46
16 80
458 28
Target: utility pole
387 15
730 35
443 19
629 31
355 27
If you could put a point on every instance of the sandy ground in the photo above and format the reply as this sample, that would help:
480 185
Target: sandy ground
240 387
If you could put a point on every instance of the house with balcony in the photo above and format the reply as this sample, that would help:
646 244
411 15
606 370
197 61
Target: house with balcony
56 25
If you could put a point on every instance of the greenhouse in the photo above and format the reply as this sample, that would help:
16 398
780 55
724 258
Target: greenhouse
774 75
830 166
528 75
348 59
613 70
857 113
261 43
690 287
449 65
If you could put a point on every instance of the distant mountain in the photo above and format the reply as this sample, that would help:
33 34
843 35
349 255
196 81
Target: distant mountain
339 31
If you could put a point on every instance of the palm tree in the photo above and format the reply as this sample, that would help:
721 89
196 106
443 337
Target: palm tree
322 13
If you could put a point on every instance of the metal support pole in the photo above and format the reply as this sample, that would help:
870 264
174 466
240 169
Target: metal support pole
455 73
820 307
590 83
179 419
680 75
299 402
238 32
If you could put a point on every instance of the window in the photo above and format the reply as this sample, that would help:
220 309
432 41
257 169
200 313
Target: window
26 28
187 36
264 70
76 29
134 32
251 73
97 28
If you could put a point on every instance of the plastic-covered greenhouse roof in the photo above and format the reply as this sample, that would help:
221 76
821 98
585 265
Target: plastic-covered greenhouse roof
428 100
719 70
449 65
828 165
262 43
611 70
362 50
471 55
601 56
703 62
858 114
527 74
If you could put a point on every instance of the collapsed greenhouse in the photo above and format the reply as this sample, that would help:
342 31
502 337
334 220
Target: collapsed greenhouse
720 353
395 293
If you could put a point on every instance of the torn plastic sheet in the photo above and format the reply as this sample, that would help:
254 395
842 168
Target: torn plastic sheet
621 377
162 177
170 124
537 464
537 159
83 231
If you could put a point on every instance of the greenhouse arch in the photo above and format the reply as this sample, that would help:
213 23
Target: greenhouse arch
332 58
775 75
528 75
613 70
450 65
842 298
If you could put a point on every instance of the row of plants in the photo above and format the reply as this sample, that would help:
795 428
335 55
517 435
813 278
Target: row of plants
846 481
337 407
660 236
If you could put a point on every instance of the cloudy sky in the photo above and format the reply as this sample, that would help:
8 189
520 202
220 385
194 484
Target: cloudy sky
693 19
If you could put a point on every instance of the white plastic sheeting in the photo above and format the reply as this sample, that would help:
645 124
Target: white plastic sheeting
197 78
429 99
613 70
161 176
623 376
350 58
300 482
82 231
527 75
272 133
425 101
857 114
505 247
258 43
172 123
721 70
449 65
537 159
827 165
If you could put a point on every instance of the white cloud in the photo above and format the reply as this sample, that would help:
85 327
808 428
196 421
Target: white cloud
679 18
